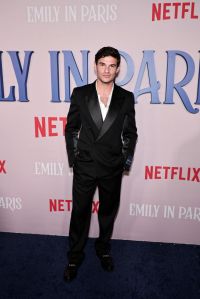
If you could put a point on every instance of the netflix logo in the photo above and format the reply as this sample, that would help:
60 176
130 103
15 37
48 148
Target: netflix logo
62 205
174 10
2 166
49 126
172 173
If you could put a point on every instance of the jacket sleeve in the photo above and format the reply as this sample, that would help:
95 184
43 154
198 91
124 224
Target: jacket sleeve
129 134
72 128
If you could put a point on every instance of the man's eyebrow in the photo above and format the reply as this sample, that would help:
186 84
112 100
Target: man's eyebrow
112 64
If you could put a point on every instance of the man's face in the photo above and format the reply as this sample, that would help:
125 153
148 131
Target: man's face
106 69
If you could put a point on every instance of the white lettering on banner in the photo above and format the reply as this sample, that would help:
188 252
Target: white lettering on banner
189 213
98 13
49 168
144 210
167 212
101 13
43 14
11 203
71 13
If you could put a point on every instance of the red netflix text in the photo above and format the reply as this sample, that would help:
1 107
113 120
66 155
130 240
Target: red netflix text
172 173
2 166
174 10
49 126
61 205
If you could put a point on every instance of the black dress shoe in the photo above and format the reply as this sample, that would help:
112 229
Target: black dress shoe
70 272
106 262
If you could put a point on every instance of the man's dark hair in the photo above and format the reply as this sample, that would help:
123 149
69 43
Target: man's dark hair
108 51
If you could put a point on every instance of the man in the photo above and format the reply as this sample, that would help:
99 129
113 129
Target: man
100 137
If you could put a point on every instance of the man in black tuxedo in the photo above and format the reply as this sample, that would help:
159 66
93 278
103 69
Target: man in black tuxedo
101 135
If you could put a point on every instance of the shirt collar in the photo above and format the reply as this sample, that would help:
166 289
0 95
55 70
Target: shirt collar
109 97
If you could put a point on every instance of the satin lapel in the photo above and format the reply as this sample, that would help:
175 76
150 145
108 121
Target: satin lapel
94 108
113 111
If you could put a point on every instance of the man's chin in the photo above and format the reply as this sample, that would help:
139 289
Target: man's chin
106 81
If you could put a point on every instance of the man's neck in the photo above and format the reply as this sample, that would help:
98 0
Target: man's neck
104 88
104 91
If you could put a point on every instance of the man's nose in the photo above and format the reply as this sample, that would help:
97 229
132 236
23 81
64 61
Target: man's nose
107 69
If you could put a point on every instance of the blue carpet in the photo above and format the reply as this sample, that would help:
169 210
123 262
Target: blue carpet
31 266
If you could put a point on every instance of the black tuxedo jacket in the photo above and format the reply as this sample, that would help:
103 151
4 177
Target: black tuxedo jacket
110 144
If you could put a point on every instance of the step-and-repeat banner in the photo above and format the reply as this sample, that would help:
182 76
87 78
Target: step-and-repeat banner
47 48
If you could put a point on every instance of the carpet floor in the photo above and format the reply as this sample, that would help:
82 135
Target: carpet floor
31 266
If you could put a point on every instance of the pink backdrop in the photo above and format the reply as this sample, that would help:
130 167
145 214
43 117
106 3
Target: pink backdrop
159 41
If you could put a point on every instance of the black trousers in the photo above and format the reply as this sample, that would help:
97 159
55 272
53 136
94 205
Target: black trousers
85 182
